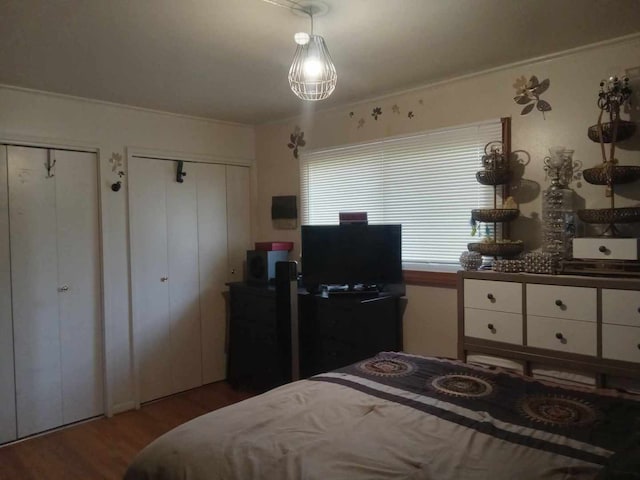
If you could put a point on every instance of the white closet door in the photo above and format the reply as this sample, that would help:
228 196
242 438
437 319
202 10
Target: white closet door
78 243
184 289
34 273
179 232
238 220
150 275
212 248
7 381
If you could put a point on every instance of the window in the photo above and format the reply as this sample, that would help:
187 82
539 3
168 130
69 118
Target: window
425 182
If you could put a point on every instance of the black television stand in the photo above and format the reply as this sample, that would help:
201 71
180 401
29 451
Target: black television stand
334 330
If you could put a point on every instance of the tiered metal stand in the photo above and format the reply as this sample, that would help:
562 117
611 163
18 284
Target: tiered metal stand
611 175
496 174
608 174
614 94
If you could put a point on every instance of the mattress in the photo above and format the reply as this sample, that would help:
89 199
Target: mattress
400 416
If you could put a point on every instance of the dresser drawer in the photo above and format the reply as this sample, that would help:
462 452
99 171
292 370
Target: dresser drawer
562 335
499 326
621 343
606 248
621 307
575 303
492 295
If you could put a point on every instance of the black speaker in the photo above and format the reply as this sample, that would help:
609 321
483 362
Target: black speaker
287 320
261 264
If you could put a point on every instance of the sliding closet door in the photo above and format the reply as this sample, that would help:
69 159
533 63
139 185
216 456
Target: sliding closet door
184 280
34 253
181 233
78 241
150 275
7 382
212 247
238 220
55 276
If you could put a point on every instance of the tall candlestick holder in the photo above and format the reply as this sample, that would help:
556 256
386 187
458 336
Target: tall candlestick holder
558 218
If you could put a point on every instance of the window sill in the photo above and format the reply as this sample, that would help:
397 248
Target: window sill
437 276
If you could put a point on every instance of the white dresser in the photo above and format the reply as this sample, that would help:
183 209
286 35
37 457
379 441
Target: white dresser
591 324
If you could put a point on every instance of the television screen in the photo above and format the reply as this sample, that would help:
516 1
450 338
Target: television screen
351 255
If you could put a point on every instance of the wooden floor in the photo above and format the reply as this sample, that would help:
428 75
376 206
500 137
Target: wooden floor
102 448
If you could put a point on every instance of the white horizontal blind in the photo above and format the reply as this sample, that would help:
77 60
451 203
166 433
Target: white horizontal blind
425 182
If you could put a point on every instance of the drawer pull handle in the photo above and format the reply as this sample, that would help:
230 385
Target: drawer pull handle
603 249
491 297
559 336
490 327
559 303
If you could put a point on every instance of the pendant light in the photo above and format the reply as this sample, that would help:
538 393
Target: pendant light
312 75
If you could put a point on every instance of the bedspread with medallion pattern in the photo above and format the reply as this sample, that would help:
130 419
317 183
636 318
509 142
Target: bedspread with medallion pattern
400 416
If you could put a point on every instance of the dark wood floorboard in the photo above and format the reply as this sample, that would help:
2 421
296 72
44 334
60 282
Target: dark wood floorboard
102 448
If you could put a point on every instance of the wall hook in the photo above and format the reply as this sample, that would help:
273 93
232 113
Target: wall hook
180 174
49 165
116 186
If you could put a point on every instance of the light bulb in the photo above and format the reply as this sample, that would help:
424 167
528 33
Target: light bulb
301 38
312 68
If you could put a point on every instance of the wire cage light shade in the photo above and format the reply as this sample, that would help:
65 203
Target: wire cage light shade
312 75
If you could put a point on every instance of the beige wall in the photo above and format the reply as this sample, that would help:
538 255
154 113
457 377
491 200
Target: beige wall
37 118
430 320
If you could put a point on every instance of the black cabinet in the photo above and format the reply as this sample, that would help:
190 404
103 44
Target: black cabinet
253 359
344 329
334 331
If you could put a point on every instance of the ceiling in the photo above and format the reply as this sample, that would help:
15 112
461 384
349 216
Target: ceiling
229 59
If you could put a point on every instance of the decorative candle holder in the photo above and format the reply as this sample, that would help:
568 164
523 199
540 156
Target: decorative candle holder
558 215
559 166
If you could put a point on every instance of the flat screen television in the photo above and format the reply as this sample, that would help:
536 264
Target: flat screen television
369 255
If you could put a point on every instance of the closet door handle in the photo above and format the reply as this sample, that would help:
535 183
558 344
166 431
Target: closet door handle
164 279
63 288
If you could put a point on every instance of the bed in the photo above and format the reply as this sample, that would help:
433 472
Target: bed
400 416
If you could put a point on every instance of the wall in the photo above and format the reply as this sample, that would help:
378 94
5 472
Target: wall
43 119
430 320
38 118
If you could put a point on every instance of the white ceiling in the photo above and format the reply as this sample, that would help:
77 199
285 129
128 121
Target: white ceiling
229 59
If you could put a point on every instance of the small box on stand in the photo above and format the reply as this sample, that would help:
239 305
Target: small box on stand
351 218
261 262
